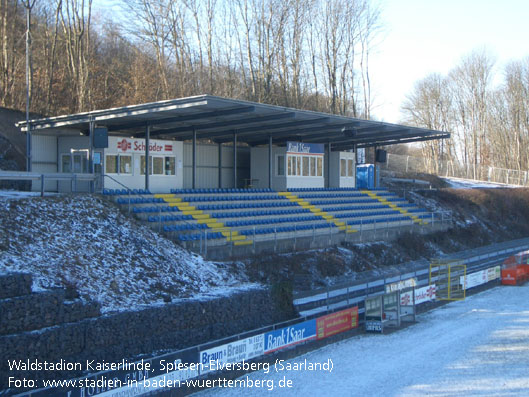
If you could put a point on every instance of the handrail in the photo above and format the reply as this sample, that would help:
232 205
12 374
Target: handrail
56 176
129 190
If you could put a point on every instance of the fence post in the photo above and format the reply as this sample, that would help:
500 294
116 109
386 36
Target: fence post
254 240
295 236
432 220
231 242
41 185
330 234
275 239
313 232
375 225
200 246
361 230
205 243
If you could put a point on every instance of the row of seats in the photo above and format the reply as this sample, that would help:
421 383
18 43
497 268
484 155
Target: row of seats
217 190
326 202
366 214
170 218
282 229
243 214
117 192
139 200
233 198
214 207
165 208
185 226
271 220
196 236
331 195
353 208
328 189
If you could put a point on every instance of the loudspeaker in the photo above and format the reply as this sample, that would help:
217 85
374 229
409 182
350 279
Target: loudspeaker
381 156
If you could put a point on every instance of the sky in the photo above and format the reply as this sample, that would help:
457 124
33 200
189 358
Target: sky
421 37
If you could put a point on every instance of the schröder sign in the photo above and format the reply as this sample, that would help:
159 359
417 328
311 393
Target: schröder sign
304 148
241 350
288 336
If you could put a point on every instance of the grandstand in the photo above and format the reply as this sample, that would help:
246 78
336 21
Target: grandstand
198 218
224 172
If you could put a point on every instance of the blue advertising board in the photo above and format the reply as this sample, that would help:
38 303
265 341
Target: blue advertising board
305 148
288 336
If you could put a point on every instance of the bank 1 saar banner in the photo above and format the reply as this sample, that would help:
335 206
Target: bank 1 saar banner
288 336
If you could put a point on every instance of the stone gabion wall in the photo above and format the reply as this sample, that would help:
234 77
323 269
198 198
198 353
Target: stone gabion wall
15 284
125 335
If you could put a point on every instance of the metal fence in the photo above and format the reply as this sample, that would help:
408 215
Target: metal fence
353 292
412 164
42 178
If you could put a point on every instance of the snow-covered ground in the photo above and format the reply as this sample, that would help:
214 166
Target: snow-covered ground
458 183
476 347
86 243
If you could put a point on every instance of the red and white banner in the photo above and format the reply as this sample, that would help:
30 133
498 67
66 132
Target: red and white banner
424 294
127 145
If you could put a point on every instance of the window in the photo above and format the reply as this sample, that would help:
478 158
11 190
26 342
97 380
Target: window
281 165
350 168
111 165
157 165
298 165
343 167
66 163
125 164
118 164
142 165
304 165
305 160
170 166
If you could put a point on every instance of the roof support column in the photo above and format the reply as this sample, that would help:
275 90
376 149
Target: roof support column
234 159
270 161
194 149
355 150
91 126
375 166
328 167
28 147
147 156
220 165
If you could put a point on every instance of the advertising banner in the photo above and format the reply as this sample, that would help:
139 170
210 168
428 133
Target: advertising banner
411 282
132 379
373 326
425 294
493 273
216 358
288 336
475 279
128 145
305 148
335 323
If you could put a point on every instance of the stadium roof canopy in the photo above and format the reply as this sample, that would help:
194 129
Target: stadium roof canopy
218 119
